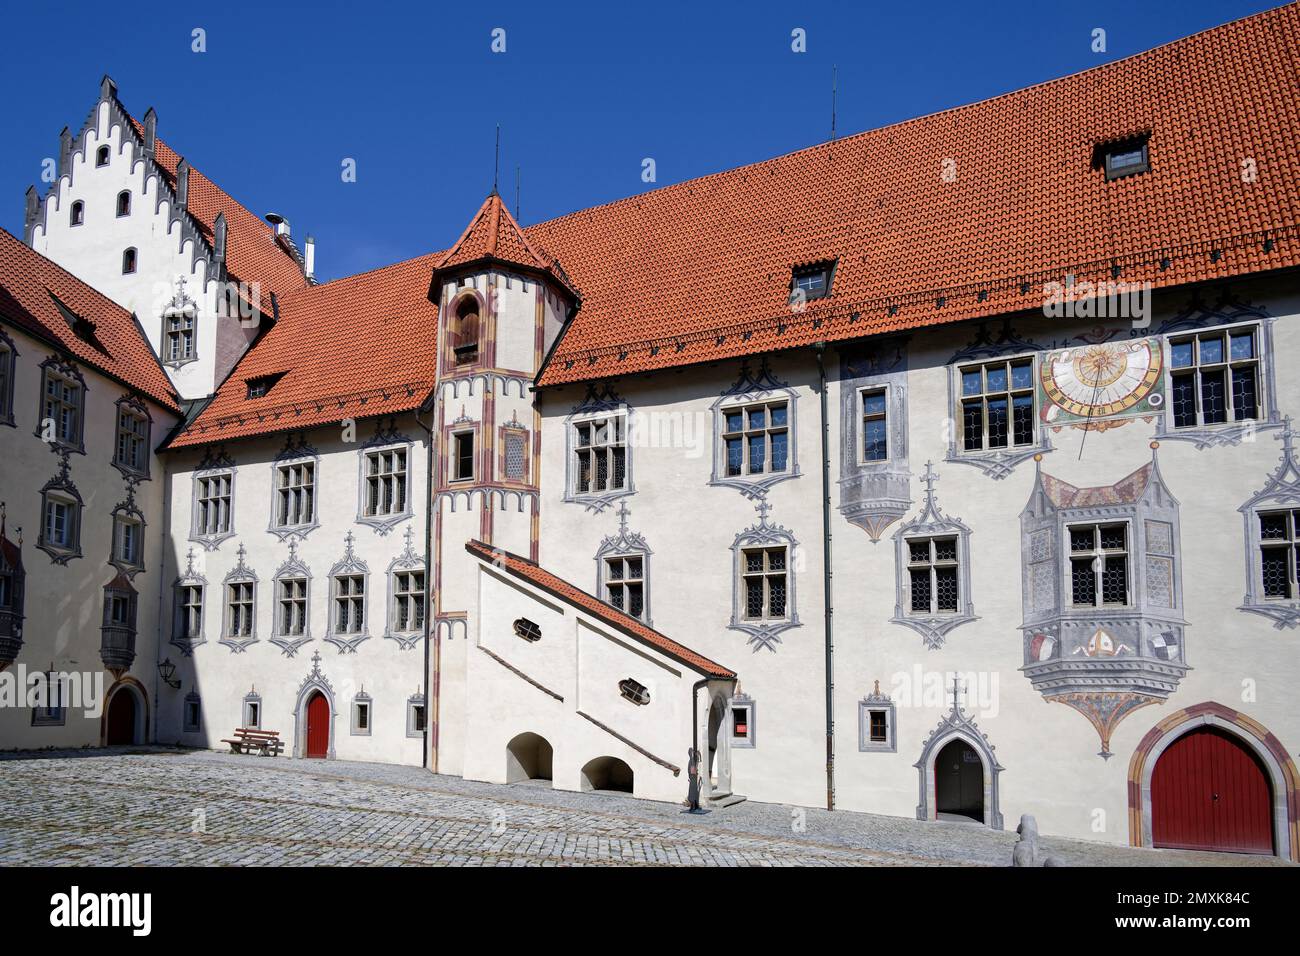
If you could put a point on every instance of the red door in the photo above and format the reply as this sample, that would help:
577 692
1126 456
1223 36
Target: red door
318 726
1209 792
121 718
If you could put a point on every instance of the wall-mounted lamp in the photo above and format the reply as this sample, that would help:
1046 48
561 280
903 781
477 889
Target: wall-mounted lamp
167 671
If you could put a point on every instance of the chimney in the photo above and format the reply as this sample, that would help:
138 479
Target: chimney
279 222
219 243
65 151
309 258
183 184
107 88
150 132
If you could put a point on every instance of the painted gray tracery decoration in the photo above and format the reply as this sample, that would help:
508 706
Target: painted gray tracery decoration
239 574
182 308
293 568
753 388
215 463
1280 492
1116 652
190 578
137 407
596 406
64 490
314 682
933 625
408 560
624 544
294 453
384 439
349 566
9 359
1227 311
129 510
874 494
1001 462
877 702
957 725
763 634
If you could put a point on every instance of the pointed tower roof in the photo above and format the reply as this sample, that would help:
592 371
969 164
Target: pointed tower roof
493 235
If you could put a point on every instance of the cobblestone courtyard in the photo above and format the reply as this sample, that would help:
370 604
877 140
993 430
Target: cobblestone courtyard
194 807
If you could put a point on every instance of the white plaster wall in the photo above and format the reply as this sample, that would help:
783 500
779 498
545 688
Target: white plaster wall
93 250
582 660
222 677
690 527
1049 750
64 603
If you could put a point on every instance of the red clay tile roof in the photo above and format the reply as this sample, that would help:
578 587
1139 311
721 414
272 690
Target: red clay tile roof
701 270
528 571
493 235
352 348
252 252
27 282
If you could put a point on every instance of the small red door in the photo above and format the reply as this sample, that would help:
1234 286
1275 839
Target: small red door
318 726
121 718
1209 792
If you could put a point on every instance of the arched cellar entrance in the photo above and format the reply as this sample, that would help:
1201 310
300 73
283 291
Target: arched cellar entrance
1214 751
959 783
1210 792
607 773
125 715
318 726
529 757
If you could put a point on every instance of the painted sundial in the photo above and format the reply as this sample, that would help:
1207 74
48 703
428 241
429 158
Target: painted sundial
1103 380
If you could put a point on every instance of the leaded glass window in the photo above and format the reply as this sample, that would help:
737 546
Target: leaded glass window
764 583
756 438
1214 377
932 566
1099 565
997 404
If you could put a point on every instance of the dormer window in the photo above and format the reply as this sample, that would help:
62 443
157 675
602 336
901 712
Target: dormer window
811 281
78 213
258 387
123 203
101 156
1121 158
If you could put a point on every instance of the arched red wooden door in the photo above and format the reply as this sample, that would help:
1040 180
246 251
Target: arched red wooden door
1209 792
318 726
121 718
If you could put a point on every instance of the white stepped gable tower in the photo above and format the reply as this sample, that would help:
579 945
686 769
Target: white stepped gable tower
501 302
129 216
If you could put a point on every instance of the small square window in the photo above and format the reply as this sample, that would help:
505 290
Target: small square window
415 721
361 717
741 722
811 282
1123 158
876 730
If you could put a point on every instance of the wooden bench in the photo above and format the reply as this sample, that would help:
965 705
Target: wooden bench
246 740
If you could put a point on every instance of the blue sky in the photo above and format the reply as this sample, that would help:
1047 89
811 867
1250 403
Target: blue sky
583 93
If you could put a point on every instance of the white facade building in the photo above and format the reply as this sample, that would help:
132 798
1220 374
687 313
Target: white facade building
863 485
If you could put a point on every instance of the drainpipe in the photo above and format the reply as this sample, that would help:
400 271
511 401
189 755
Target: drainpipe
428 593
829 624
695 724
